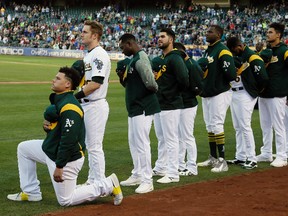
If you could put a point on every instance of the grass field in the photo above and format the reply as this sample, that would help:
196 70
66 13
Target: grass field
22 106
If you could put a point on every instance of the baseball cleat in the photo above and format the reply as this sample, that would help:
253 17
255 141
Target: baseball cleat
236 162
144 188
279 163
166 179
221 166
131 181
249 165
263 158
211 161
185 172
116 192
24 197
157 173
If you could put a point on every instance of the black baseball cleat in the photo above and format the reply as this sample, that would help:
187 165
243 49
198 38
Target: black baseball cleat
249 165
236 162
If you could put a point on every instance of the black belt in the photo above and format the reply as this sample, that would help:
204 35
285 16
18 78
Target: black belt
237 89
83 100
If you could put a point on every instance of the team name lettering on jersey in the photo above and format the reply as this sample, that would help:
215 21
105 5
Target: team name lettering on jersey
88 67
161 71
274 59
210 59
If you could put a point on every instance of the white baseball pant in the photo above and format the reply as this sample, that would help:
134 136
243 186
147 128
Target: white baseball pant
187 140
30 152
214 111
161 162
95 119
272 114
169 128
139 143
242 107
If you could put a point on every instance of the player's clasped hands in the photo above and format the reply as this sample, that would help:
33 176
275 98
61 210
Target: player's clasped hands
46 125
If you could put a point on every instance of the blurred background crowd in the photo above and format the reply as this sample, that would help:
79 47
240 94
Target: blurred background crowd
39 26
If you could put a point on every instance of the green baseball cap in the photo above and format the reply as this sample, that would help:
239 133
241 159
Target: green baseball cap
51 114
122 64
157 63
266 55
80 67
203 62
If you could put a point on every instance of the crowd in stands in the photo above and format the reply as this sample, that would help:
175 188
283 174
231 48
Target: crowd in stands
48 27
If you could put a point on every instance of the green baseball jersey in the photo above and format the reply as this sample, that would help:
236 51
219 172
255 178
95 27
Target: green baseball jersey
172 79
220 70
65 142
277 70
253 73
140 87
195 83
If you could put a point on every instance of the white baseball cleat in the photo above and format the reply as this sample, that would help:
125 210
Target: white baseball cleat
221 166
263 158
131 181
166 179
24 197
144 188
279 163
116 192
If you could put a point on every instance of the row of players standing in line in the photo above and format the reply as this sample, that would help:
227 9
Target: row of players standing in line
172 99
146 97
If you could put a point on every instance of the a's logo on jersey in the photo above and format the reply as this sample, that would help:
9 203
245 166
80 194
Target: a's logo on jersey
99 64
226 64
257 68
69 123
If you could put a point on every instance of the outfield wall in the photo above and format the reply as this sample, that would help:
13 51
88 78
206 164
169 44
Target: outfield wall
52 52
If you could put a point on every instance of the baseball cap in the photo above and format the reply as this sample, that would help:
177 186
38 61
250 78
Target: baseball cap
157 63
122 64
266 55
79 67
203 63
51 114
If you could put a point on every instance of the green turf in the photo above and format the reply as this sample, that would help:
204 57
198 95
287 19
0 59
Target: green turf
22 107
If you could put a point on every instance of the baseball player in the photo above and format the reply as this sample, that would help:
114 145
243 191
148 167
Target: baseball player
216 96
171 79
92 97
142 104
62 150
251 79
273 99
286 125
187 116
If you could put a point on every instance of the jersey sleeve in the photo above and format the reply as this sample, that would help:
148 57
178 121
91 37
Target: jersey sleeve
143 66
227 64
257 66
99 66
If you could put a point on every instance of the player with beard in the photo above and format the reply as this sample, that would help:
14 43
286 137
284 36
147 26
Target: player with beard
216 96
272 100
171 79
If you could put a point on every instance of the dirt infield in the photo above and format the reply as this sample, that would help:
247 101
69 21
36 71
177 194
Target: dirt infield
250 194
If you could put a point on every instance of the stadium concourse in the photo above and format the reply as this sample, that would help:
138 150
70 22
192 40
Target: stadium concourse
39 26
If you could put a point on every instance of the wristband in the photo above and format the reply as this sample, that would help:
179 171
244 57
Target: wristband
79 95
